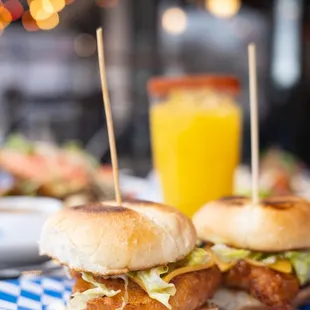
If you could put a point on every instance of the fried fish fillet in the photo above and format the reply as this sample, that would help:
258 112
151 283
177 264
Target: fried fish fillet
274 289
192 291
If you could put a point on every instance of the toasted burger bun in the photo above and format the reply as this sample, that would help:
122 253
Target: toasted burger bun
276 224
104 239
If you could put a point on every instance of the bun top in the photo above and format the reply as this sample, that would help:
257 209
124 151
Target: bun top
105 239
276 224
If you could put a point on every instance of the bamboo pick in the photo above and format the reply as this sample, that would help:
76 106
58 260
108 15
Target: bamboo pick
254 123
108 113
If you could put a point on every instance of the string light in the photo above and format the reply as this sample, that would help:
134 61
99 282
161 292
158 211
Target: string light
58 5
39 10
42 14
223 8
84 45
174 21
5 17
15 8
29 22
49 23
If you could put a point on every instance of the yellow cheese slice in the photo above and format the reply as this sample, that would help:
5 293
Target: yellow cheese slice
220 264
186 269
281 265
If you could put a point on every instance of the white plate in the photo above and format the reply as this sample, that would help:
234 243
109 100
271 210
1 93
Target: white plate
19 232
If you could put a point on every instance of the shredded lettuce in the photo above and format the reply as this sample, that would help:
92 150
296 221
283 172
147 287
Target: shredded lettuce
229 255
79 300
264 258
301 264
19 143
75 147
271 259
300 260
151 281
197 257
263 193
154 285
28 187
125 298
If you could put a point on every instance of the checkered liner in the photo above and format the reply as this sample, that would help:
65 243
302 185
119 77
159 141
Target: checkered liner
38 293
33 293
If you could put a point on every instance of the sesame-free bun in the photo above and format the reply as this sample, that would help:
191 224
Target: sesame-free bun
105 239
275 224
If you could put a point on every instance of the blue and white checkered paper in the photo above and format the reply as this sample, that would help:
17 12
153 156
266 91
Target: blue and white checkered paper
38 293
34 293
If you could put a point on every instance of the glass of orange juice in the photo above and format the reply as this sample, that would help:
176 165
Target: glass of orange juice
195 132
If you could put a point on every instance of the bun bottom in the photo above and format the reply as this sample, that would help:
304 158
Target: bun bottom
229 299
209 306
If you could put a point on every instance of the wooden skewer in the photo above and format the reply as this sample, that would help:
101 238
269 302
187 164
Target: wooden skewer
254 123
108 113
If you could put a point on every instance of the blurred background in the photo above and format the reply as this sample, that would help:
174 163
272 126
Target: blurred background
50 89
53 133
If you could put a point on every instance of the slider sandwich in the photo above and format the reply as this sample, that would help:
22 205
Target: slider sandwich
141 255
262 251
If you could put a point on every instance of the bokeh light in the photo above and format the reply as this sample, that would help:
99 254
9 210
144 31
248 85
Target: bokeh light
42 14
15 8
49 23
106 3
57 5
28 22
40 10
47 6
223 8
84 45
5 17
174 21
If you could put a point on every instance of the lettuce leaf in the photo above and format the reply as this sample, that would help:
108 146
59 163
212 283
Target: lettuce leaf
79 300
75 147
269 260
300 260
264 258
125 298
301 264
197 257
229 255
154 285
18 143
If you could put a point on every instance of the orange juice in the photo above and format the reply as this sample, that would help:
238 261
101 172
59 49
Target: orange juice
195 140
